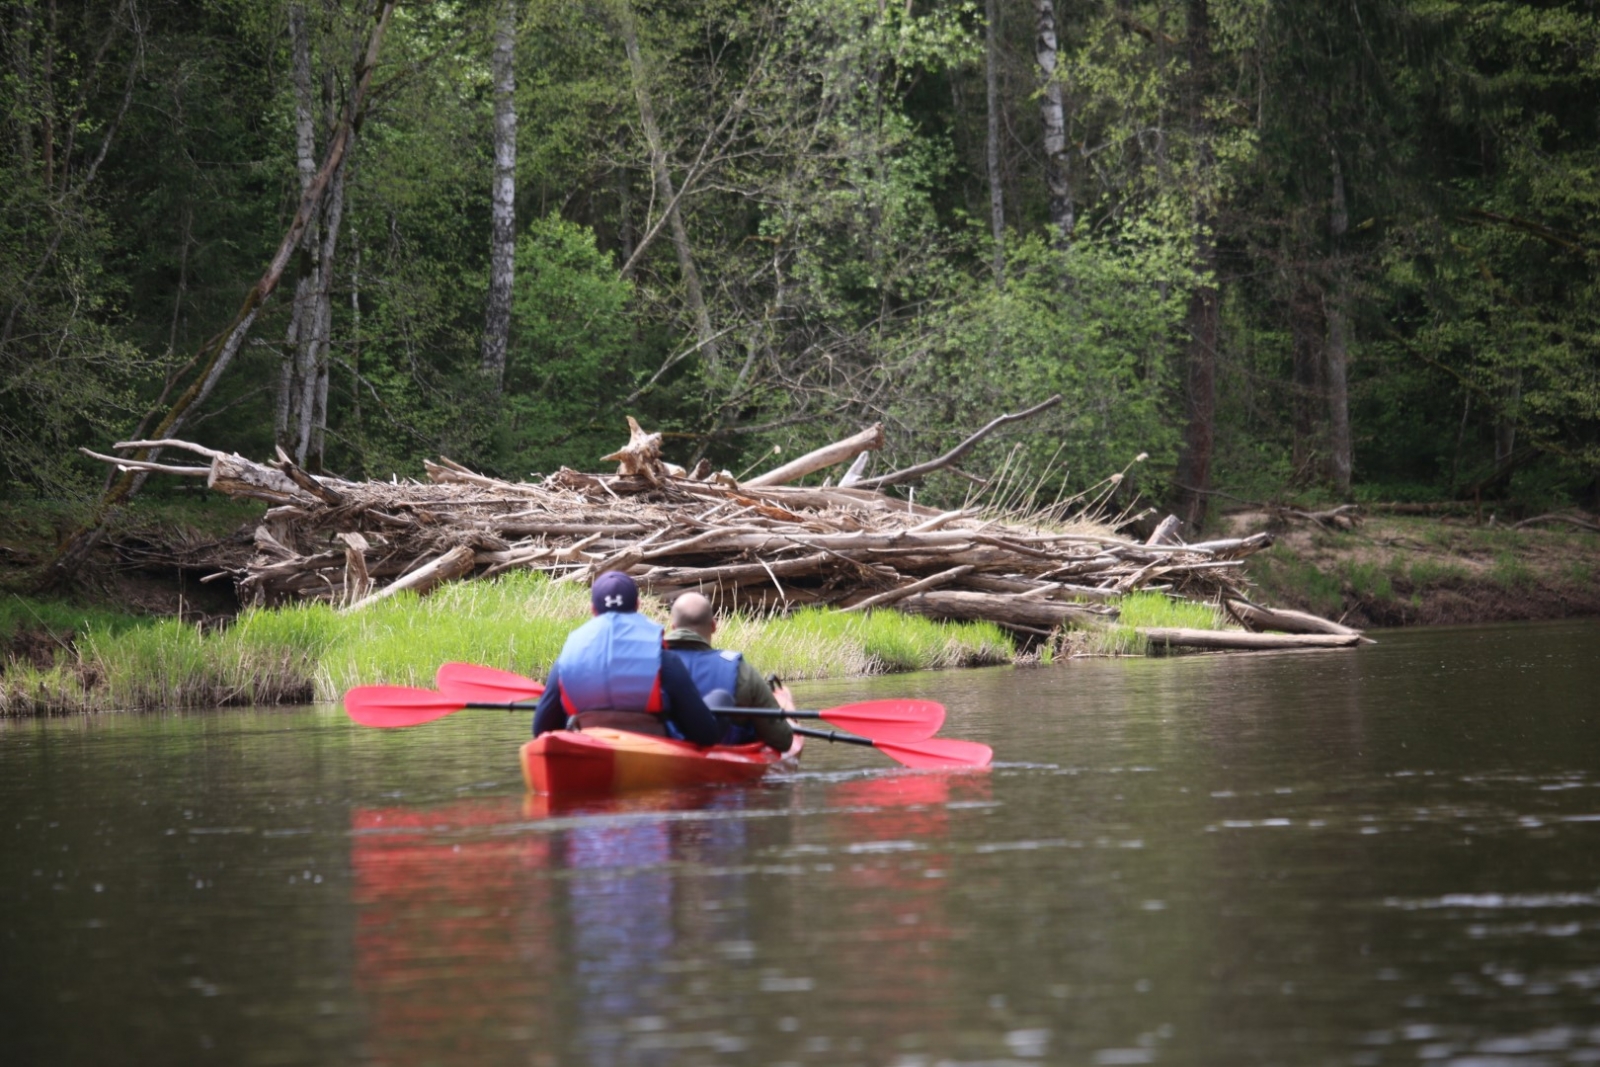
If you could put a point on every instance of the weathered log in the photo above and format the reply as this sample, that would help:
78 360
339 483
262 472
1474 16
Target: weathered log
453 564
357 584
1048 614
882 599
867 440
305 481
1258 618
237 476
1240 640
1166 532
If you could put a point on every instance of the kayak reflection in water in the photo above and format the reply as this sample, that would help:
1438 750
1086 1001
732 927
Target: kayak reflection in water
613 672
694 622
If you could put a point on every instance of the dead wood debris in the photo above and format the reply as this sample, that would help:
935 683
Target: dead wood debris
748 546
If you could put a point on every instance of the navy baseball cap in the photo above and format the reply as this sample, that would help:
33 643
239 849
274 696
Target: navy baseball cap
614 591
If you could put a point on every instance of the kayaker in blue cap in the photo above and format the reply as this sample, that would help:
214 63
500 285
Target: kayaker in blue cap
614 672
694 622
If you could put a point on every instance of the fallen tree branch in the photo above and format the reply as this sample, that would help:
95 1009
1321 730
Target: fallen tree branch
910 473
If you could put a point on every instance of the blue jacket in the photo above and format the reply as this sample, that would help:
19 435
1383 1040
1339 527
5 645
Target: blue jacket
712 668
612 662
586 676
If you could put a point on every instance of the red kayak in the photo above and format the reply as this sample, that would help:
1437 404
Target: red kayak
599 760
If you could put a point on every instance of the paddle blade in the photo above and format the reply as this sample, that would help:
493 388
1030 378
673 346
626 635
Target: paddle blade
490 685
938 753
398 705
888 720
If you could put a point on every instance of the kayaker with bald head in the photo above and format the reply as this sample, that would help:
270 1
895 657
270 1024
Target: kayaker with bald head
694 623
614 672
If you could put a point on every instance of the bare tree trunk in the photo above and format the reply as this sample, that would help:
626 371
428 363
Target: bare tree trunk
1340 453
503 243
664 187
301 329
1053 113
997 207
1200 359
314 429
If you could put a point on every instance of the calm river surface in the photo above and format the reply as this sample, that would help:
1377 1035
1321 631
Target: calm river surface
1383 856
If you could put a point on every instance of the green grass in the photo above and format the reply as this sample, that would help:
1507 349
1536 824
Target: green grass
1509 572
1144 610
1433 574
20 614
312 652
1285 578
1368 580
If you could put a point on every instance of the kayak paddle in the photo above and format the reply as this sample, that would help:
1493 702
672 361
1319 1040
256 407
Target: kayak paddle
390 706
890 720
472 682
938 753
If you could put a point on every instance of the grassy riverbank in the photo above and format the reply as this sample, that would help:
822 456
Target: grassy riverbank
311 652
1408 571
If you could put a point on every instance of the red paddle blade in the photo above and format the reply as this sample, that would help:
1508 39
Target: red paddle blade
937 753
889 720
471 683
398 705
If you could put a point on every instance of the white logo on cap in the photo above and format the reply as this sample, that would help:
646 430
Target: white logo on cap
613 601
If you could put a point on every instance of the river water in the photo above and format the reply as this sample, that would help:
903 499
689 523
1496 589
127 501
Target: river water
1389 855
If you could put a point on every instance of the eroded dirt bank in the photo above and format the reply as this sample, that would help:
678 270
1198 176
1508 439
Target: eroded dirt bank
1410 571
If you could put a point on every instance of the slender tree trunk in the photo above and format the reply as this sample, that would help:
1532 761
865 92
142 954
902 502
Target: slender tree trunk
1340 453
1202 320
664 187
1053 113
1307 331
301 334
997 207
315 425
355 327
503 243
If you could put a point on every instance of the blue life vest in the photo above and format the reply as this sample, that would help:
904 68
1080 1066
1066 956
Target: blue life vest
714 669
612 663
711 668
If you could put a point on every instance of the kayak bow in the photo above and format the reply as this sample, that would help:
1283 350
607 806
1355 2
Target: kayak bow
599 760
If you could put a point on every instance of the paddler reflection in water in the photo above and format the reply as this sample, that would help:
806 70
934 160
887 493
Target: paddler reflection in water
726 674
613 672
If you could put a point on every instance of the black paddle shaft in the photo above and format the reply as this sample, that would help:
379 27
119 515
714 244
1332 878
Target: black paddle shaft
760 713
835 735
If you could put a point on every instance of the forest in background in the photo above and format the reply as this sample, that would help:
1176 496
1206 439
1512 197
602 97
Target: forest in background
1287 249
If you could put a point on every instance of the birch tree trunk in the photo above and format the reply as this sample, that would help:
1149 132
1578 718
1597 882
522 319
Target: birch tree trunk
1200 357
301 331
1337 352
503 241
997 208
660 165
1053 113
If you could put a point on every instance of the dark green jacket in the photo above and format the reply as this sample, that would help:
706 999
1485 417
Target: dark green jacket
751 691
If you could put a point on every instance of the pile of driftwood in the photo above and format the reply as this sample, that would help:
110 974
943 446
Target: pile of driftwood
757 544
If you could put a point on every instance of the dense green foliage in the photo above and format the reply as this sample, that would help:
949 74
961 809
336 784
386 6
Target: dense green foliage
1393 202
